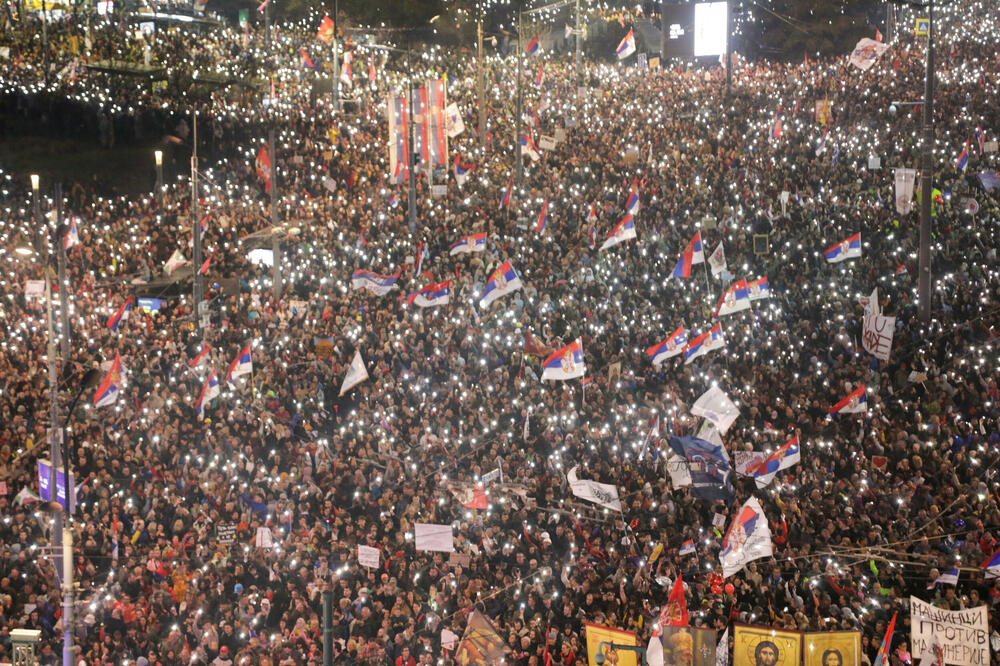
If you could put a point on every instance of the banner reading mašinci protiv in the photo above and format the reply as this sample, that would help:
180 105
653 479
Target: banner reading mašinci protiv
963 634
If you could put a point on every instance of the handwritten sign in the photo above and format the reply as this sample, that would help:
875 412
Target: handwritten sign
225 533
876 336
368 557
962 634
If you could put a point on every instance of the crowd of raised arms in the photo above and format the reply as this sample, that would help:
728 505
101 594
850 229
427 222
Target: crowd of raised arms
209 537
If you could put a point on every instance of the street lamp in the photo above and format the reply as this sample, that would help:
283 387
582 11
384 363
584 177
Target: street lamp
62 535
639 651
926 167
158 157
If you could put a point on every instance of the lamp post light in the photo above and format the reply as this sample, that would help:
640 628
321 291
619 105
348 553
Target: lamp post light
35 202
158 158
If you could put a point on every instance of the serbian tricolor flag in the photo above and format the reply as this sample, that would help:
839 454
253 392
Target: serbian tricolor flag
855 403
326 28
981 140
963 158
461 171
992 566
506 195
672 346
541 73
591 215
693 254
108 391
878 35
202 357
849 248
209 391
632 205
264 167
532 47
543 218
120 314
241 365
627 46
623 231
305 59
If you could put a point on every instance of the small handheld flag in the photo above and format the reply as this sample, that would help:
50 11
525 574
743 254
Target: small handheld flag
963 158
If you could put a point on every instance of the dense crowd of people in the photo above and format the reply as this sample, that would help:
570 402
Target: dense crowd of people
211 540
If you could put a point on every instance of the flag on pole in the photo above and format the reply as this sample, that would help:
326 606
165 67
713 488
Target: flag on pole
856 402
532 47
567 363
204 266
529 148
241 365
623 231
849 248
209 391
506 195
672 346
502 281
692 254
175 261
963 158
882 658
627 46
111 386
120 314
356 373
325 33
543 218
717 260
306 60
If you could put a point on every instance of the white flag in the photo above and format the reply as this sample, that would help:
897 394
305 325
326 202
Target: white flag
748 539
654 651
905 180
722 649
866 52
599 493
716 406
355 374
717 261
453 123
175 261
428 536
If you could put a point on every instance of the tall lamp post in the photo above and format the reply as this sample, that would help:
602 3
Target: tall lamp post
62 534
926 178
926 168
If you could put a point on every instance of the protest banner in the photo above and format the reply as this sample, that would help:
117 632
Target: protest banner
964 634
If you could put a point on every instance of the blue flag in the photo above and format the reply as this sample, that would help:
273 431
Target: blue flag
709 467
